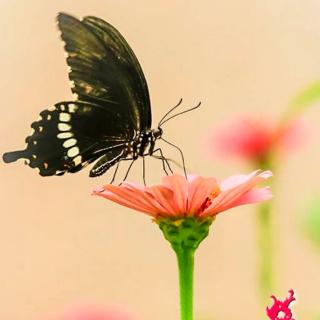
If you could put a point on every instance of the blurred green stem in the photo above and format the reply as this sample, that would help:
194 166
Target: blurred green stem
265 235
265 244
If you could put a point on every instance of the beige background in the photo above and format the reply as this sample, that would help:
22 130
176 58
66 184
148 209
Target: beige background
59 245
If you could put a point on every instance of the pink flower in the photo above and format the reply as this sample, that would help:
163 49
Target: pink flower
255 139
90 312
198 196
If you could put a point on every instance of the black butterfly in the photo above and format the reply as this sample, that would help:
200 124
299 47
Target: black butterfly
110 120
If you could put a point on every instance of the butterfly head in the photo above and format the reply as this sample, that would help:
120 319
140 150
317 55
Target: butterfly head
157 133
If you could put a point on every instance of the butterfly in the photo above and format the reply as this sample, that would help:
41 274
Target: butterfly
110 119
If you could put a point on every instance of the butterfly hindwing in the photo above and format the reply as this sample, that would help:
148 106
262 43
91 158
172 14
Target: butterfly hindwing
71 135
110 158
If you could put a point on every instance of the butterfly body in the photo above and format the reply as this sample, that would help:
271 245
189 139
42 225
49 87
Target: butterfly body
143 144
109 121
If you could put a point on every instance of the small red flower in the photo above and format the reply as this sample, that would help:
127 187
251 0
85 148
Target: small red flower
280 310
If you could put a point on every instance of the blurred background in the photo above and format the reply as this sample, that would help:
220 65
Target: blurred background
59 245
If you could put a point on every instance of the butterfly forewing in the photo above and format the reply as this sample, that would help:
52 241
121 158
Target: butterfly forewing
125 57
104 69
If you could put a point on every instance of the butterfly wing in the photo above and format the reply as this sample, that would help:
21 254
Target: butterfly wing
104 69
112 104
71 135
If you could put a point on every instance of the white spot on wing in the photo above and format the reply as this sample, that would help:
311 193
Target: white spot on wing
72 108
52 108
73 152
69 143
73 54
77 160
48 116
65 117
63 127
64 135
88 89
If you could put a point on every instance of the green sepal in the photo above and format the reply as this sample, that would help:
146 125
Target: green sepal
185 233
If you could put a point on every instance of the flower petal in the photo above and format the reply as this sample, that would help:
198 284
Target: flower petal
179 185
254 195
165 198
199 189
229 197
129 196
237 179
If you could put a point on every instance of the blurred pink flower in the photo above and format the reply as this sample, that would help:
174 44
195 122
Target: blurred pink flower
91 312
198 196
255 139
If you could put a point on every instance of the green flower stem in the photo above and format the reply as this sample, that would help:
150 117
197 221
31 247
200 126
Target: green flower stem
186 263
185 235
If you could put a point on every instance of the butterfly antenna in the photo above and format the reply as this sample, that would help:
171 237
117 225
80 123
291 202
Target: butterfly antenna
176 106
181 153
182 112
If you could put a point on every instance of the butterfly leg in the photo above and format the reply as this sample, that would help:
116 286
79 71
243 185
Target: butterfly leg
181 154
164 161
163 164
127 173
115 173
144 171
